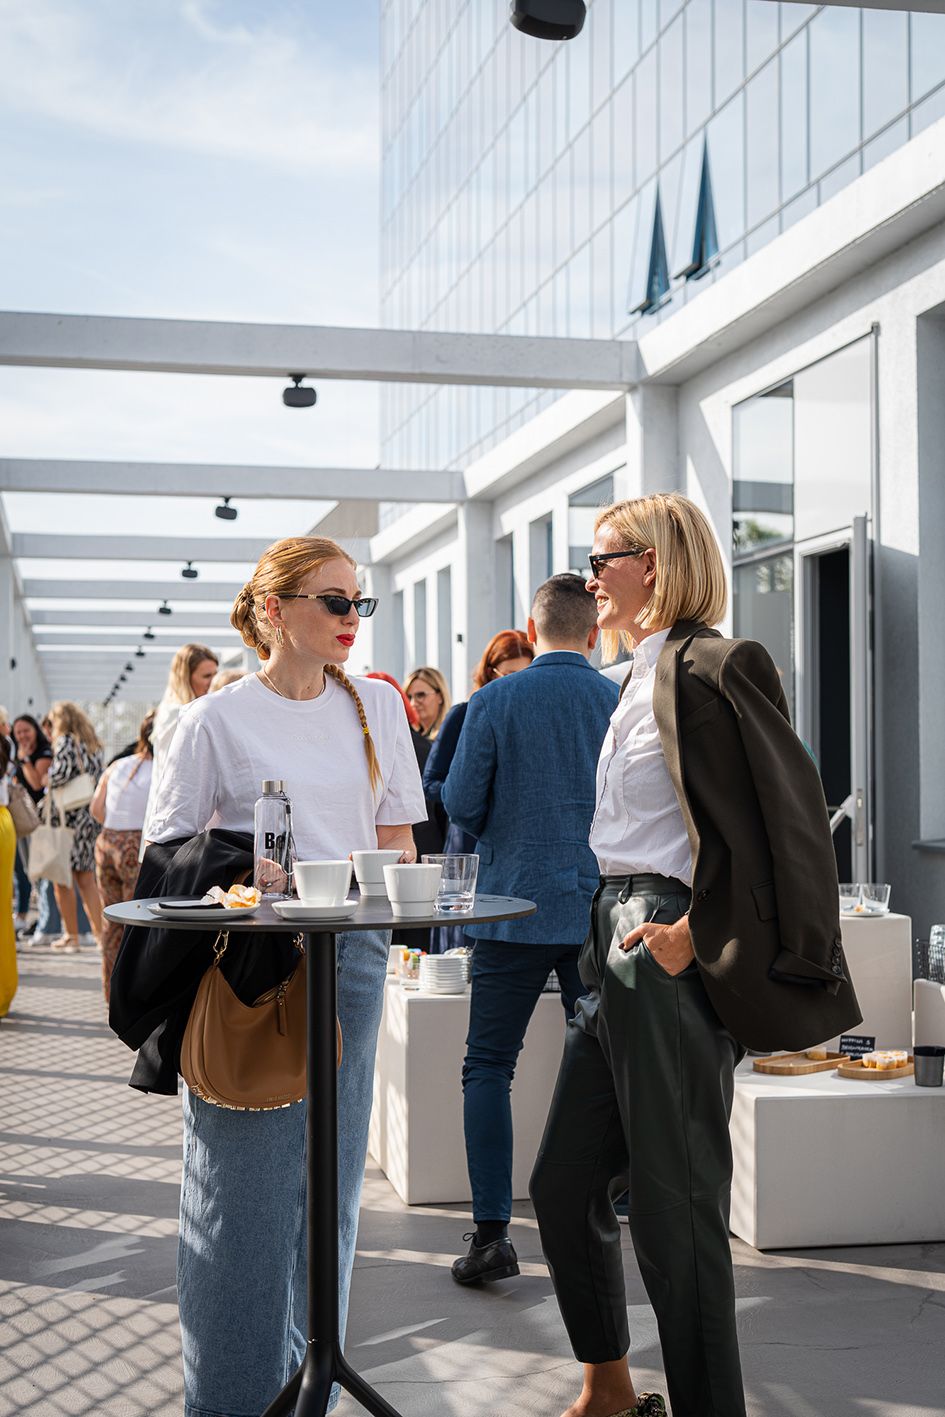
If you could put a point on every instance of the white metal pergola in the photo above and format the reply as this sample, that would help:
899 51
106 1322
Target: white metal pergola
81 651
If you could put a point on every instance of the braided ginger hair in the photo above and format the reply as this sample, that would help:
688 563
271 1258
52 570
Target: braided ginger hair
281 570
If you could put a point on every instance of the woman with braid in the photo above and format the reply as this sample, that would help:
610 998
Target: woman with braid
351 773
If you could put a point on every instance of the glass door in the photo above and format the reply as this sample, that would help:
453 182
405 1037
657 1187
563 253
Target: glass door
833 683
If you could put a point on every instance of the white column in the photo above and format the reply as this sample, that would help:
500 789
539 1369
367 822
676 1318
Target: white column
652 443
560 535
521 574
474 611
379 632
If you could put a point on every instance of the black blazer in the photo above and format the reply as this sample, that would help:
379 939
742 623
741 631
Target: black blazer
765 915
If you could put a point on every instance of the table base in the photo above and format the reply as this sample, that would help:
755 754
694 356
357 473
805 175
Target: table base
308 1392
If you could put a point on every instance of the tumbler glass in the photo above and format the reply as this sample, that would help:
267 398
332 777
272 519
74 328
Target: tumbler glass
875 896
929 1065
849 897
457 892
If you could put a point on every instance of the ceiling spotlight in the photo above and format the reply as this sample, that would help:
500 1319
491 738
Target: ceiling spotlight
149 634
298 397
164 608
139 653
189 573
224 511
549 19
121 678
129 668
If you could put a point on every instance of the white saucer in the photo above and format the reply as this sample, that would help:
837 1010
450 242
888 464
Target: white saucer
211 913
298 910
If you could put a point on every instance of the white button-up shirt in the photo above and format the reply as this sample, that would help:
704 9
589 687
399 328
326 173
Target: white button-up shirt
638 827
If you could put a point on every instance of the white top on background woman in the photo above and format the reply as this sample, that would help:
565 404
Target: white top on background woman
350 770
189 678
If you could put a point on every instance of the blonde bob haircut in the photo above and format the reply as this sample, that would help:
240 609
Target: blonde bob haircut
282 570
185 661
436 681
690 575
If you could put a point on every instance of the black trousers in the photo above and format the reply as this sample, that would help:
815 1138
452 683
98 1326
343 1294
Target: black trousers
643 1101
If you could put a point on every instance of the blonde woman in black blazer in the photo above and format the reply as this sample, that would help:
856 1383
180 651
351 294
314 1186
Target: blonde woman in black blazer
715 928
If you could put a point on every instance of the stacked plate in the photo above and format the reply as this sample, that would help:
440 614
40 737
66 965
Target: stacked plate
442 974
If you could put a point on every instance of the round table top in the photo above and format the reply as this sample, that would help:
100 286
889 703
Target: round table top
372 913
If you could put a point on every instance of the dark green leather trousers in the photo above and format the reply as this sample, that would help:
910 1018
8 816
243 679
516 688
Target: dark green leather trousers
643 1102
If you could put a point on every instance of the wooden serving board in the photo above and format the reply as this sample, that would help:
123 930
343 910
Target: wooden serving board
854 1068
797 1064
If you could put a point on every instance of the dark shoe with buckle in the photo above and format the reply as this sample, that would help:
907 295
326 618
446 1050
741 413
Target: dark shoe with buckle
484 1263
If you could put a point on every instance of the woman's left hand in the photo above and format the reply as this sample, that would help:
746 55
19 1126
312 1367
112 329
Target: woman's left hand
670 945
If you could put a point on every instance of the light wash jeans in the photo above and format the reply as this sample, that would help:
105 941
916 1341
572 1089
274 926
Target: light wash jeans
50 921
241 1264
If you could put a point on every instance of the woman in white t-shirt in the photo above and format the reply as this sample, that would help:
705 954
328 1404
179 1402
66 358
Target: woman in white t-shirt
351 773
119 805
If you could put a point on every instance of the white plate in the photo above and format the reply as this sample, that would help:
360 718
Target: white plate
298 910
211 913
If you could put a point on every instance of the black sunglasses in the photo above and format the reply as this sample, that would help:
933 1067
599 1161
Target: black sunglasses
597 563
365 605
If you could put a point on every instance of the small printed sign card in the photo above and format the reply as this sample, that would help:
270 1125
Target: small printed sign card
856 1044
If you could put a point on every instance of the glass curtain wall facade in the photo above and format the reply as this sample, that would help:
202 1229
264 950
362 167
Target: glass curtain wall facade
592 188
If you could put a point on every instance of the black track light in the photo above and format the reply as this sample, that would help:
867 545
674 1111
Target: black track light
298 397
129 668
149 634
139 653
121 678
188 573
164 608
225 512
549 19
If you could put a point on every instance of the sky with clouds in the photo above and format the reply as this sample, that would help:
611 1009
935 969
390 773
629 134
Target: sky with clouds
213 159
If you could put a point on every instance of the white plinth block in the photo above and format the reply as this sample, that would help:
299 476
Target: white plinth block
878 951
416 1134
819 1160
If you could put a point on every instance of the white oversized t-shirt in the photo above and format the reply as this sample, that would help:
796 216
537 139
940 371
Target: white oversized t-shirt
229 741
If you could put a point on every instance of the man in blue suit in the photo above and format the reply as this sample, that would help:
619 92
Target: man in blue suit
523 783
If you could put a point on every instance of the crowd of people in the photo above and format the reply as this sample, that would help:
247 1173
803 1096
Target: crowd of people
664 818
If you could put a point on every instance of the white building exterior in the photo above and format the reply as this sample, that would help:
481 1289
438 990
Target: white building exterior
797 393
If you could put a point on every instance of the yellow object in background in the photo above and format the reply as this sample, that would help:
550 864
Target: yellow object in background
8 972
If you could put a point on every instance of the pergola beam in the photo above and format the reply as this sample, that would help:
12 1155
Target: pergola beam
52 546
130 591
212 621
318 351
118 639
239 481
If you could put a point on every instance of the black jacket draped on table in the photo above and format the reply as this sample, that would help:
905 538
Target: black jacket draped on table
158 971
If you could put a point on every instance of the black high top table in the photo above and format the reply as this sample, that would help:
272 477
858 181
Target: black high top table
324 1364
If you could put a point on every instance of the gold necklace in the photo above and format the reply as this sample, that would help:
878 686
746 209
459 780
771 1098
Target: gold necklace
263 673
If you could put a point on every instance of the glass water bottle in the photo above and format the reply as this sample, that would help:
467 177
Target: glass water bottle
273 846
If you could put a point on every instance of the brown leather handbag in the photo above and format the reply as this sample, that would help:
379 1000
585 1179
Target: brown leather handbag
247 1057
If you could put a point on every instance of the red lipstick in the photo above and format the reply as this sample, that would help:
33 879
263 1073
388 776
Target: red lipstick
346 640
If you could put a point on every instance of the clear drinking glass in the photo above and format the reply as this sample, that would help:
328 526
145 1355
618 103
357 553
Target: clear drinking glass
457 892
849 897
875 897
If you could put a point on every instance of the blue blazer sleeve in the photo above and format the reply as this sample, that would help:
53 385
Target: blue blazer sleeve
467 791
442 753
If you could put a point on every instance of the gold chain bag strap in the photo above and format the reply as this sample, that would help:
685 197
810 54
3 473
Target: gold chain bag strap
248 1057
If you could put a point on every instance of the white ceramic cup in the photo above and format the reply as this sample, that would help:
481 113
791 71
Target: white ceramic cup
369 869
322 882
412 889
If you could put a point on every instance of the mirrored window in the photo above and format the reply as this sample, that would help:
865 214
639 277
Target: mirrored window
583 507
763 610
794 117
761 137
729 47
885 67
763 462
928 53
726 139
698 18
833 441
761 32
671 89
834 86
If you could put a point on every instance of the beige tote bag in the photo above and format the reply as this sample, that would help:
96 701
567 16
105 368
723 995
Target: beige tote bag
51 851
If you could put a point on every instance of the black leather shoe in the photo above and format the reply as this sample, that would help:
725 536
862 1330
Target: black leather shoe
484 1263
